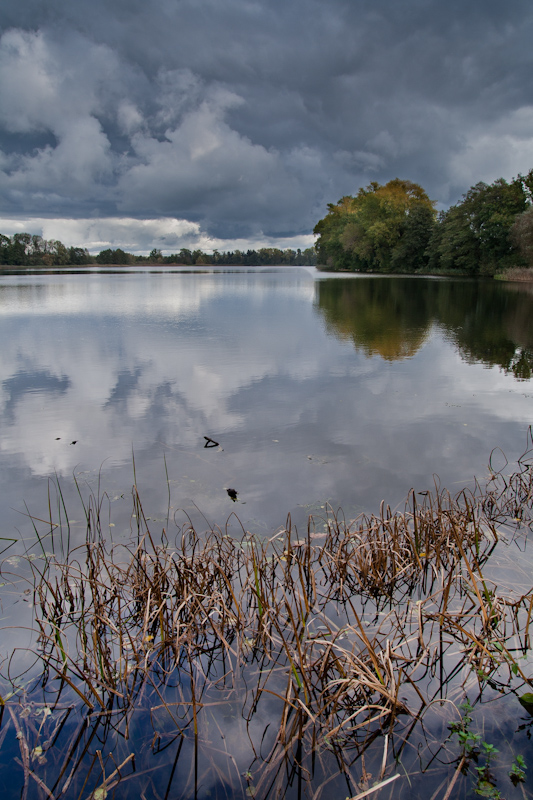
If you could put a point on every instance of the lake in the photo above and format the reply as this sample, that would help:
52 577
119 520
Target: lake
317 393
340 390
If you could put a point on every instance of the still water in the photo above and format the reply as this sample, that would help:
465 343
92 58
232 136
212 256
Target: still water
317 392
318 389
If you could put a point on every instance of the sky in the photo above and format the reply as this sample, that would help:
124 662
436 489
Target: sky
209 124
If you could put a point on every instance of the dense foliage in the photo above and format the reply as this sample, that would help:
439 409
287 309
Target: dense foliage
23 249
378 229
394 228
266 256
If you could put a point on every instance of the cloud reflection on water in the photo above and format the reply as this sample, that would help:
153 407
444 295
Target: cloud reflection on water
267 365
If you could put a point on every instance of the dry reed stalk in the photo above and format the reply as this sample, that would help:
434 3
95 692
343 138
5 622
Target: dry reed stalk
376 788
453 781
323 625
109 782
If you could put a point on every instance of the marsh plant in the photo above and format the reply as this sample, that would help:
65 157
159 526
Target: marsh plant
178 663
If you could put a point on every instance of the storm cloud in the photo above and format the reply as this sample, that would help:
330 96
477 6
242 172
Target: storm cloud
216 123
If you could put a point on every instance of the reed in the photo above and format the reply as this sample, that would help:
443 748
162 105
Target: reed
336 637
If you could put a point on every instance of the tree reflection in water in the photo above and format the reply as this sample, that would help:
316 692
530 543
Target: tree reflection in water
488 322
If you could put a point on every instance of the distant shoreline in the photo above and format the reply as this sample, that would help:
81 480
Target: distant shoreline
514 274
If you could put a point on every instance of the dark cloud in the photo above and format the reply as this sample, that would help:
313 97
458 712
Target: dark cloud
248 117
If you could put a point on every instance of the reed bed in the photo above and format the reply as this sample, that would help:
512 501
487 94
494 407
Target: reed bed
308 651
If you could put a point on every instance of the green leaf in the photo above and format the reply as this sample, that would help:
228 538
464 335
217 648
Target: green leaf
526 700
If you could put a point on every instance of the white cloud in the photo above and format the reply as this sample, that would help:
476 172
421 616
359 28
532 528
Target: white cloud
57 91
129 117
46 85
139 236
81 157
28 96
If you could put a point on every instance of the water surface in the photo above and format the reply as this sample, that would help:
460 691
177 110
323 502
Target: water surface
321 392
340 390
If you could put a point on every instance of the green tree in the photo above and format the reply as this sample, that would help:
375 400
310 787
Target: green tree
410 253
185 256
5 249
459 247
36 250
57 252
475 235
366 232
110 256
20 245
309 257
330 249
78 255
522 235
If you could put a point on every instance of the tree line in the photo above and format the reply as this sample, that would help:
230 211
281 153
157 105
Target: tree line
395 229
27 250
392 228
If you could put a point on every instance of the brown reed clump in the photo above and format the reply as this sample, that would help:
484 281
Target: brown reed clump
337 632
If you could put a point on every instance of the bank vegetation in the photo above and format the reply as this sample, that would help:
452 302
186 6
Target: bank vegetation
352 657
395 229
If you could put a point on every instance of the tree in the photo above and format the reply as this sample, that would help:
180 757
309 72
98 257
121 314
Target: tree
57 252
36 250
185 256
366 232
329 247
475 235
522 235
410 252
309 256
109 256
78 255
20 244
5 249
458 247
200 258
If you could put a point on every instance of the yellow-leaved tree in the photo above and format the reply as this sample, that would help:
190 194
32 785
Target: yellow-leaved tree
381 229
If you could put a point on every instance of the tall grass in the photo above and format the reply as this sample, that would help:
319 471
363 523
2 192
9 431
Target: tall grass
320 645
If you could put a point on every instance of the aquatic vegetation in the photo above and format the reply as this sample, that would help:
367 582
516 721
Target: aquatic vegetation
188 663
